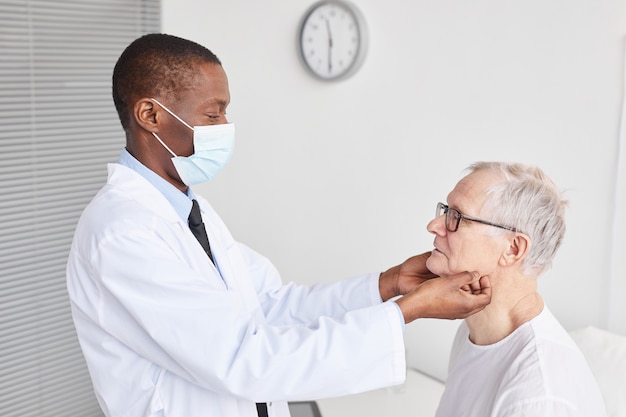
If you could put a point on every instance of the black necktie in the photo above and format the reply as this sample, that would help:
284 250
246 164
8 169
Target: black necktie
197 228
261 409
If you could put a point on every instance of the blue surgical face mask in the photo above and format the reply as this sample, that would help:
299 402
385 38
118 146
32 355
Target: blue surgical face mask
213 147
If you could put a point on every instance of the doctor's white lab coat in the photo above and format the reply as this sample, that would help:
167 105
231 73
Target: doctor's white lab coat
165 334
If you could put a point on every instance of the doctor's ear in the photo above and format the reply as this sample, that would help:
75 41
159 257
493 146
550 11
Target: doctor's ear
517 249
145 114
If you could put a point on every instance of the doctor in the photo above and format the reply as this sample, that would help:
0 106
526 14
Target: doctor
170 327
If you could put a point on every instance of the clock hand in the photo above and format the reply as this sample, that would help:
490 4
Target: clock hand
330 46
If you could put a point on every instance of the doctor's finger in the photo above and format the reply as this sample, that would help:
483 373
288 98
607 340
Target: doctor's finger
484 286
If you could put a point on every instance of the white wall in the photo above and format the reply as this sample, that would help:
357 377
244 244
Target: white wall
617 287
331 180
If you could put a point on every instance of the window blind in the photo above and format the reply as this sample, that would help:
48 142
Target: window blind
58 129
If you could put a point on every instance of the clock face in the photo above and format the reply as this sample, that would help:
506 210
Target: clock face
332 40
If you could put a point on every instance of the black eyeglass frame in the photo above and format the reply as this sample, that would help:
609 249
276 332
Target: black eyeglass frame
446 210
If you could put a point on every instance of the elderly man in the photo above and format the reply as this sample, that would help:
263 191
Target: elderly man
513 358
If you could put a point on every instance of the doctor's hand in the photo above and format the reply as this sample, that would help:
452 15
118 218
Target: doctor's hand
453 297
404 278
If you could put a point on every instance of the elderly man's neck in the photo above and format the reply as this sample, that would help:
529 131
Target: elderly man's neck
515 301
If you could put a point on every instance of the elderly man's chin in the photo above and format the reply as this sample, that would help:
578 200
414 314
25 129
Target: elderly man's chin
437 263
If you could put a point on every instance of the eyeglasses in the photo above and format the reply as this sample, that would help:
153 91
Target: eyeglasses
454 217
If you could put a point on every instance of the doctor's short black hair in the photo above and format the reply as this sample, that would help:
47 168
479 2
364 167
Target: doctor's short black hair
154 65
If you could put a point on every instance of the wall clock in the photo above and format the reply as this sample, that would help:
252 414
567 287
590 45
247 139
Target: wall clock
333 39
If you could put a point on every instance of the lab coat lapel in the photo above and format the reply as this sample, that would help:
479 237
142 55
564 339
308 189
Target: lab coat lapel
232 266
132 183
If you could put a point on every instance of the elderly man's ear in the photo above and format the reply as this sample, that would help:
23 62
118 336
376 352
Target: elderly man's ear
518 248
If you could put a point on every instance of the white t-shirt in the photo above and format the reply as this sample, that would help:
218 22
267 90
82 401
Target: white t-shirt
536 371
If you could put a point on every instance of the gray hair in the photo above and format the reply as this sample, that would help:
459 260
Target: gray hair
530 201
